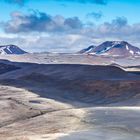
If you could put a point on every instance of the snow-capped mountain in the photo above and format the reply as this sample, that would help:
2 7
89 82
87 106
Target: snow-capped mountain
11 49
113 48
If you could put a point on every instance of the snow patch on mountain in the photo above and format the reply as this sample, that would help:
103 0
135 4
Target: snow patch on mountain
127 47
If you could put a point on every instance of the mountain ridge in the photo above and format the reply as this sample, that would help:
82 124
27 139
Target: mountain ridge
112 48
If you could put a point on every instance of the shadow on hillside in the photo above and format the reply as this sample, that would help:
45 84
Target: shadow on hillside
78 85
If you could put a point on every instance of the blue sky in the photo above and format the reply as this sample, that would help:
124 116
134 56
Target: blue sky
78 23
114 8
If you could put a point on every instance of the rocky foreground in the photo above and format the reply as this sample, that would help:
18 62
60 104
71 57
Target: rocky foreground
68 102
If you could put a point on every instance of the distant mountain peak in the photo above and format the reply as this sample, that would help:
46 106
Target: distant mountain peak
113 48
11 49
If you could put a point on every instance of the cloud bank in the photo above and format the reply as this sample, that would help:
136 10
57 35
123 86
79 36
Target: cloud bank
40 22
56 33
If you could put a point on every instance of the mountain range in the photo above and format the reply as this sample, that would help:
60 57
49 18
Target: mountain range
108 48
112 48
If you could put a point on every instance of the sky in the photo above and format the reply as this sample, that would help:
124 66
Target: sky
68 25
